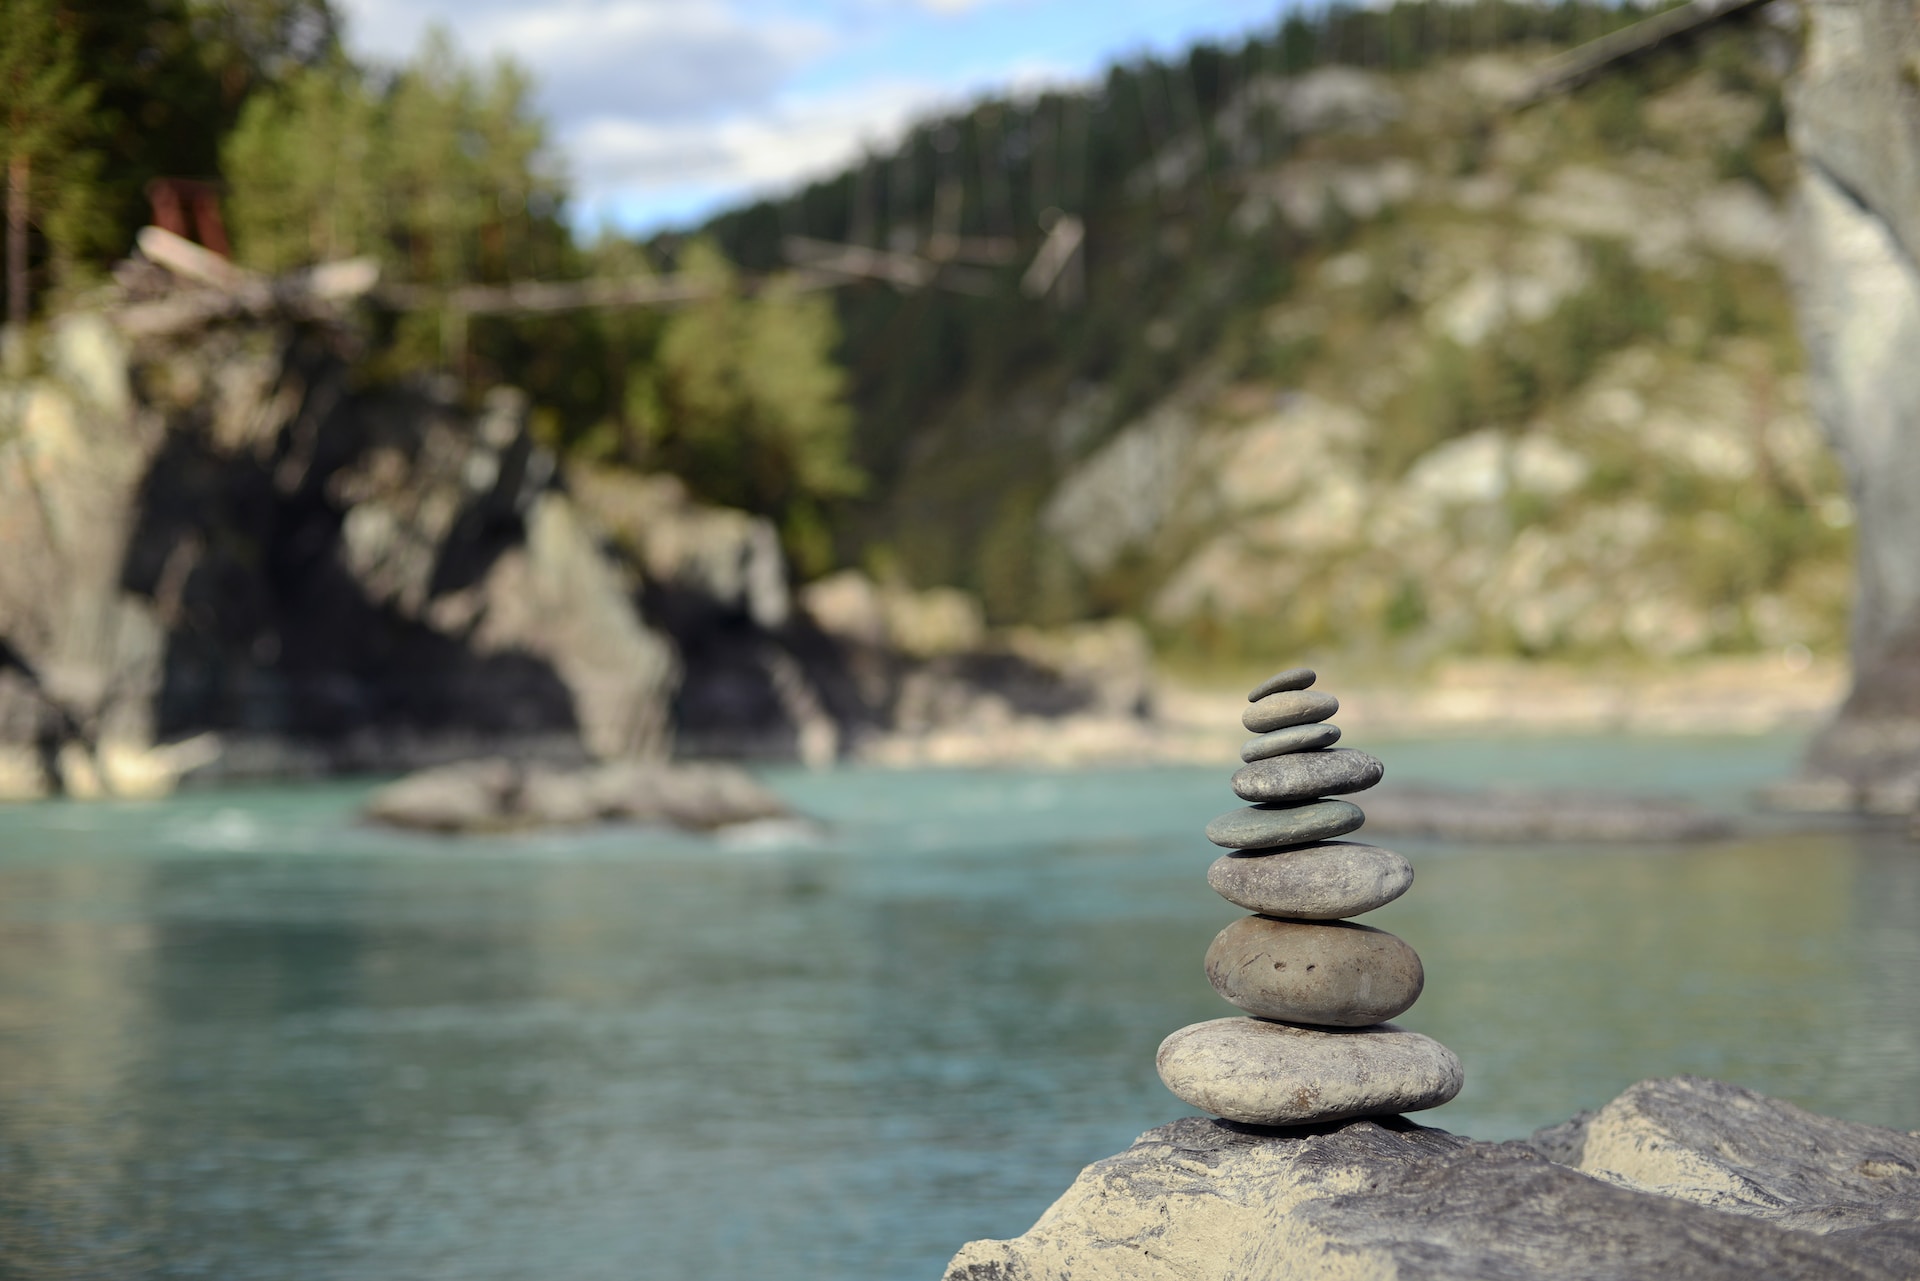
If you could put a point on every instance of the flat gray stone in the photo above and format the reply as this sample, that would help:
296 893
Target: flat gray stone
1327 973
1261 1073
1260 827
1759 1189
1288 707
1322 882
1292 678
1303 776
1294 738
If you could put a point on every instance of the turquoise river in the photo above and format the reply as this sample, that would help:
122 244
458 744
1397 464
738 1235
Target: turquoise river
243 1036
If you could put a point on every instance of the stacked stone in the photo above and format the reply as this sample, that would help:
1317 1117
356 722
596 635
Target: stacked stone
1319 988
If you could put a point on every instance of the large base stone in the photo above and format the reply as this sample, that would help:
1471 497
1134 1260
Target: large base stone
1263 1073
1676 1178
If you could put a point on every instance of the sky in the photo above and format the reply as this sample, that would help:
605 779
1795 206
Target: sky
665 110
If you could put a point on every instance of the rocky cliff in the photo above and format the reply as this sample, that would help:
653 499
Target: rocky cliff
1855 120
231 552
1675 1178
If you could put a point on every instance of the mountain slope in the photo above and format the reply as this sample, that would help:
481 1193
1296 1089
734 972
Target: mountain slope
1362 357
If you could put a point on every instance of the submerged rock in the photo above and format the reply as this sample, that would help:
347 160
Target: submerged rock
1675 1178
500 795
1541 814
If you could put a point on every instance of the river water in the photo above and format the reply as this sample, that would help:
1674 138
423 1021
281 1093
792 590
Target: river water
242 1036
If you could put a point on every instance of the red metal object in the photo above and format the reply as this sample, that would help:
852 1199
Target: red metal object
191 209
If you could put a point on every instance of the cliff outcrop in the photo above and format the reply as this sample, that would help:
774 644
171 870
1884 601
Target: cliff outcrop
231 553
1854 114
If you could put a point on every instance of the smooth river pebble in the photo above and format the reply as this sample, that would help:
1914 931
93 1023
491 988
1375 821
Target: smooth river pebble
1261 1073
1259 827
1289 707
1321 882
1294 738
1292 678
1302 776
1328 973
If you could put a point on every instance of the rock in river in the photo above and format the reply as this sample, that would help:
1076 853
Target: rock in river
1294 738
497 794
1262 1073
1288 707
1292 678
1327 881
1302 776
1259 827
1328 973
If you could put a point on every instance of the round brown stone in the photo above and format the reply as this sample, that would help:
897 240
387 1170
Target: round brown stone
1329 973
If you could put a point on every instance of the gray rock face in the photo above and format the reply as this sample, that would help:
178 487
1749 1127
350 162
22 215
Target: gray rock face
1289 707
1675 1178
1260 1073
1854 262
1302 776
501 795
1325 882
1327 973
1259 827
1291 679
1296 738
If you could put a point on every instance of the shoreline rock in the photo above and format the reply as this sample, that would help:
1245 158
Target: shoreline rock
502 795
1678 1177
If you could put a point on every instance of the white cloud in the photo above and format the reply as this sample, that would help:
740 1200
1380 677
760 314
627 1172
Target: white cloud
791 140
644 58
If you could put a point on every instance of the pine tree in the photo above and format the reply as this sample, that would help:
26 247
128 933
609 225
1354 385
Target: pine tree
43 105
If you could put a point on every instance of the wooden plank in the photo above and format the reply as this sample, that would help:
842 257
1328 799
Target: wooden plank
1576 67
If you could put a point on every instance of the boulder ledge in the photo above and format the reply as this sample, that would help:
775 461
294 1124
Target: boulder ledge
1680 1177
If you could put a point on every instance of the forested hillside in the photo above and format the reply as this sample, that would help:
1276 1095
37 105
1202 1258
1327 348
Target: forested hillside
1355 352
1312 339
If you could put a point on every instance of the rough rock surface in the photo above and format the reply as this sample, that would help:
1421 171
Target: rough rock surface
1683 1177
1854 118
233 551
498 794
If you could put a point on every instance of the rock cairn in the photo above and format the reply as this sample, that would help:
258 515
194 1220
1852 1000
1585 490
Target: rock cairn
1318 987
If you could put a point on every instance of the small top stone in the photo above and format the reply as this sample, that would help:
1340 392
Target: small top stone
1292 678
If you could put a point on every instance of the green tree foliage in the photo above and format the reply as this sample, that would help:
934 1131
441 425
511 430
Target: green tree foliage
442 172
43 109
742 398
